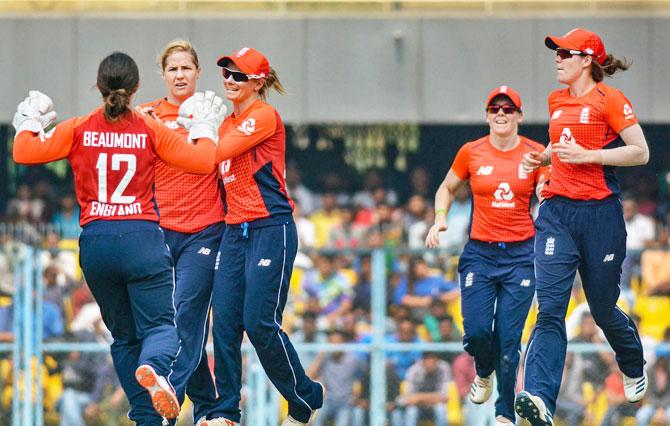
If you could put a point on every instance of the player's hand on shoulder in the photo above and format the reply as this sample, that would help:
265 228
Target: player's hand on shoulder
34 113
202 114
148 111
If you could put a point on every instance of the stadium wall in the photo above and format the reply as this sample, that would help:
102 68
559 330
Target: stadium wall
344 70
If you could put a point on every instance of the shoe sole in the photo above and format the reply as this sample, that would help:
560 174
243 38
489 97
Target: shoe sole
526 409
164 400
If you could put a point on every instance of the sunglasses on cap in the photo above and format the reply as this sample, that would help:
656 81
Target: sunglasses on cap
568 53
507 109
238 76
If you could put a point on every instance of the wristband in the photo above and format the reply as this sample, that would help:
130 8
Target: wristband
440 211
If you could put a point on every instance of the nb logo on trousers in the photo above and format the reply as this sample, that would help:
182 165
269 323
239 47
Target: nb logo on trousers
264 262
205 251
608 257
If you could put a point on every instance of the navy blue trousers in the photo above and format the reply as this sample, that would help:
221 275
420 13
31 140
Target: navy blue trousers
129 271
193 256
251 285
497 285
589 237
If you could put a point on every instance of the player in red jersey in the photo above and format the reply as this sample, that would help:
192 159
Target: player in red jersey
127 266
580 224
496 266
258 247
191 215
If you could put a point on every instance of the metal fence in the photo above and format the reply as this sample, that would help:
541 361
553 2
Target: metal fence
28 348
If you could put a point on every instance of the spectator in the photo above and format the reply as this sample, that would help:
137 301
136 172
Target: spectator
415 212
347 233
581 368
426 391
420 286
325 219
309 333
362 401
656 408
420 182
338 371
298 191
363 287
641 235
403 360
390 227
25 206
330 288
65 260
66 219
79 371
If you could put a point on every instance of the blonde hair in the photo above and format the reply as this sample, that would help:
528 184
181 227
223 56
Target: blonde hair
177 45
271 82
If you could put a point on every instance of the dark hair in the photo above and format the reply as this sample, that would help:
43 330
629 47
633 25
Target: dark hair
611 65
118 78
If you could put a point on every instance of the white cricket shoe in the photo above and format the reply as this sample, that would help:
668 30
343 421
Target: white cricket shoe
532 408
481 389
290 421
635 388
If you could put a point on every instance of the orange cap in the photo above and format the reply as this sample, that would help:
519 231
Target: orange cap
512 94
580 39
249 60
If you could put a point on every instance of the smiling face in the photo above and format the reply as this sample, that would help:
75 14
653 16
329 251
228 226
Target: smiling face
240 92
505 121
569 67
180 74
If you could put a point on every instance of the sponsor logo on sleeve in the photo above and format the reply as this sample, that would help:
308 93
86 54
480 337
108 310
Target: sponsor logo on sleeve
248 126
628 112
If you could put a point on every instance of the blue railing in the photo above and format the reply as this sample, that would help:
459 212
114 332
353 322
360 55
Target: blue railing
28 348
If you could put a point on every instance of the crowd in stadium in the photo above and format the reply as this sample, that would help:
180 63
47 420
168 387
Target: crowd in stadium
330 302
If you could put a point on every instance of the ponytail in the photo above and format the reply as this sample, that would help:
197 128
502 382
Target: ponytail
611 65
271 82
118 79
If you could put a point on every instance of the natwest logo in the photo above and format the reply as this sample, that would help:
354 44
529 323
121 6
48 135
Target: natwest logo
503 196
566 136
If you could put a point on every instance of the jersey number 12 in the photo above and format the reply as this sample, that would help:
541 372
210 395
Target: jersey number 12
117 195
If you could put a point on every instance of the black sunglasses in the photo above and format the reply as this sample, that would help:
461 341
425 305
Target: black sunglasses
568 53
238 76
507 109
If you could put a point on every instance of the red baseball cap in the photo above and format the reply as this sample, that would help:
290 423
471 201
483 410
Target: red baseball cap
512 94
249 60
580 39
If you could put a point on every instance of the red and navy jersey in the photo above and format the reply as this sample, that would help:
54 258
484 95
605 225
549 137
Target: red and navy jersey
187 202
252 153
113 162
501 190
593 121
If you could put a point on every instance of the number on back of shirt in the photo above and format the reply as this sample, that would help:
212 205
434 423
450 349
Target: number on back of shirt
117 195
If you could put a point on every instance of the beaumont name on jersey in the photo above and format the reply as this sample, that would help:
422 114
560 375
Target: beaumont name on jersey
114 140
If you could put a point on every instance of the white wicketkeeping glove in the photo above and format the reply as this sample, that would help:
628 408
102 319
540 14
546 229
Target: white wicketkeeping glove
35 113
202 115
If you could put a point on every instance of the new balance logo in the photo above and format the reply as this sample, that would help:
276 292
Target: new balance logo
556 114
264 262
525 283
484 170
205 251
549 246
608 258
